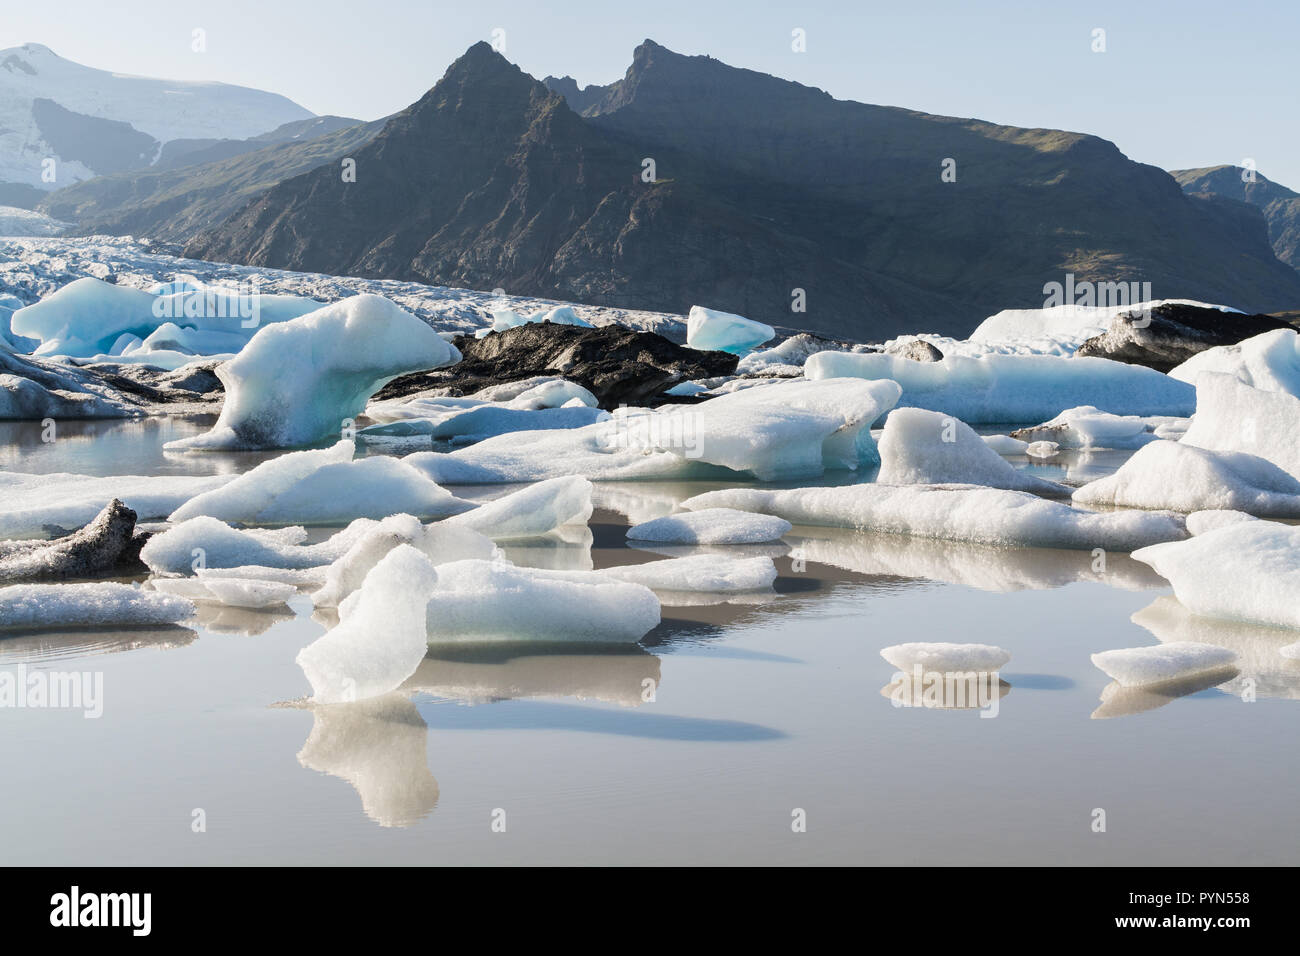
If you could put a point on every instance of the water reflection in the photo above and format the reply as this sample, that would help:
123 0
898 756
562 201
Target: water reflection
242 621
1120 701
88 642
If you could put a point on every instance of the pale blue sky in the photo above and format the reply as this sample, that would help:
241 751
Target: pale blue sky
1181 84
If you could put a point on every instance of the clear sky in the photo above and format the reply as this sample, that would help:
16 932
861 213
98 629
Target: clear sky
1181 84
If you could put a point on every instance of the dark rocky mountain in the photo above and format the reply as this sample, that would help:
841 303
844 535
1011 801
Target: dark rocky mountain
1280 206
763 187
194 152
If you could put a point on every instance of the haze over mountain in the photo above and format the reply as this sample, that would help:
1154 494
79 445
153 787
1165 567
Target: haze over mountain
93 121
1280 206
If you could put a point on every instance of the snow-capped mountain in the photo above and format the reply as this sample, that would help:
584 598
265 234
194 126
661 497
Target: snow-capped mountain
92 122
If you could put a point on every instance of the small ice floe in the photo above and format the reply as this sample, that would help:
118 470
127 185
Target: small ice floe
296 381
787 430
1014 388
503 319
1291 651
208 543
531 512
724 331
711 526
380 638
302 578
954 512
699 572
485 601
921 447
943 656
1089 427
107 604
42 506
1179 477
1005 444
1134 666
1243 571
440 543
1233 416
1201 522
324 486
248 593
1042 449
1120 700
1270 362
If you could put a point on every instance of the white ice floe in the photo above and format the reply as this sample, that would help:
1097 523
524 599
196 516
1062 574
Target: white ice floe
531 512
440 543
205 542
1291 651
1233 416
1243 571
1042 449
946 657
1090 427
1200 522
699 572
796 429
1180 477
711 526
503 319
88 318
1270 362
1060 329
1014 388
954 512
1133 666
724 331
486 601
1005 444
101 604
322 487
301 381
310 578
232 592
920 447
39 506
380 638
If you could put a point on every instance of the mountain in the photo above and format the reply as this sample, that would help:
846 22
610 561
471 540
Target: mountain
94 121
1280 206
764 186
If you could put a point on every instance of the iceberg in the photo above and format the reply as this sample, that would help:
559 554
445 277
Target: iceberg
711 526
920 447
1013 388
1270 362
248 593
783 431
954 512
299 382
503 319
1233 416
1006 445
380 639
710 330
531 512
204 543
1175 476
324 487
1177 660
1244 571
946 657
1061 329
699 572
105 604
1090 427
487 601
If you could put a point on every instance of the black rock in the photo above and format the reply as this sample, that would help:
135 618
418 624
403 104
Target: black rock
1171 334
619 366
107 545
918 350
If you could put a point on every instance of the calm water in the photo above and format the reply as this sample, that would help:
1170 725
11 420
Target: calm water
757 710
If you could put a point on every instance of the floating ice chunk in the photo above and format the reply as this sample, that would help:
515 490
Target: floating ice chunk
946 657
39 506
1061 328
1244 571
298 382
1231 416
1014 388
503 319
921 447
1042 449
533 511
1179 477
686 389
1005 444
440 543
711 526
484 601
724 332
699 572
1089 427
1132 666
784 431
470 425
205 542
234 592
1270 362
954 512
107 604
380 640
313 577
324 486
1200 522
1291 651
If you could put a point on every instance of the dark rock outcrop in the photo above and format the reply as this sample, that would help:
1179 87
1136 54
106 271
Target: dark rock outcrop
617 365
1171 334
1279 205
918 350
108 545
